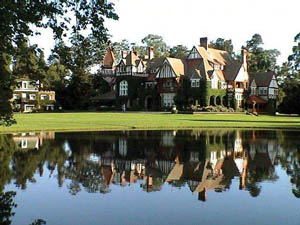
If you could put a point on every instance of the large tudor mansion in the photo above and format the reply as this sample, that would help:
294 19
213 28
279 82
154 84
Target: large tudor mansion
205 77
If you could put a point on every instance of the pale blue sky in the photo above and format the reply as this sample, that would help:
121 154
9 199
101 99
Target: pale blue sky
184 22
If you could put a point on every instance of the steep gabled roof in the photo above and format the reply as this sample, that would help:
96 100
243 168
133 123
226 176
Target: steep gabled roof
262 79
232 69
215 56
155 63
177 65
109 58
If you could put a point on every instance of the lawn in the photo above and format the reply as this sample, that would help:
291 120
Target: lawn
128 121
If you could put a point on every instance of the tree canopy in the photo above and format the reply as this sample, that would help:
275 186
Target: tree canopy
222 44
21 19
260 59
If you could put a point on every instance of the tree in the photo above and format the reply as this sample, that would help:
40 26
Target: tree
157 42
6 82
222 44
289 75
294 59
19 19
78 59
178 51
29 62
260 59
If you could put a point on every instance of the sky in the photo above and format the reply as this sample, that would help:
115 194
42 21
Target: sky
185 21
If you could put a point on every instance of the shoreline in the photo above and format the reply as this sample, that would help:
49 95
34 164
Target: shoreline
130 121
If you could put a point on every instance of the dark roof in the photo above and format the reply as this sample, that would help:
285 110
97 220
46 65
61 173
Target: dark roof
231 70
262 79
255 99
155 63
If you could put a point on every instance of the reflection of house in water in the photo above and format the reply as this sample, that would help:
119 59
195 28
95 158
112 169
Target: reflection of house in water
27 141
167 139
263 154
207 161
221 166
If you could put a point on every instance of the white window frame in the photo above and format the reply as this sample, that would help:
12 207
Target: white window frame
123 88
43 97
24 95
32 97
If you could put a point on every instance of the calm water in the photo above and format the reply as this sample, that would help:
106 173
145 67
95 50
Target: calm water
151 177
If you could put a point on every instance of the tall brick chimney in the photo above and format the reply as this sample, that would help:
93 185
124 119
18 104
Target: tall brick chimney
204 42
244 56
150 53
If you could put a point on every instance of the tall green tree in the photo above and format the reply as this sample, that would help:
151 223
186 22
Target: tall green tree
289 75
157 42
260 59
178 51
6 82
18 20
294 59
29 62
78 58
222 44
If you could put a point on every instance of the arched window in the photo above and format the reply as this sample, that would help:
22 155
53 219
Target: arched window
123 88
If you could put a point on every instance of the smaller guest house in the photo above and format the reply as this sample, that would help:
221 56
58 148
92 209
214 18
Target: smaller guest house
28 97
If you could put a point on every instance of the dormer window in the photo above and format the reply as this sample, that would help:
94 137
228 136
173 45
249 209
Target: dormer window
195 82
24 85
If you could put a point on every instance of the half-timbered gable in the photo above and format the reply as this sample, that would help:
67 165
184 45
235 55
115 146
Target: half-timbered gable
166 71
194 54
266 84
264 89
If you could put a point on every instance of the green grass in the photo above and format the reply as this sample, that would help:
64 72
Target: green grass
128 121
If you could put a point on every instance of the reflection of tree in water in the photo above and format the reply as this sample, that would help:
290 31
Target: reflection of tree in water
7 148
7 205
190 147
290 159
293 170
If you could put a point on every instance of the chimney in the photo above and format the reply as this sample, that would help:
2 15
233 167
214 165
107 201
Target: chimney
123 54
150 53
244 56
203 42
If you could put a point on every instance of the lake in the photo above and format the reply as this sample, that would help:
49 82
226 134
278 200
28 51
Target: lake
151 177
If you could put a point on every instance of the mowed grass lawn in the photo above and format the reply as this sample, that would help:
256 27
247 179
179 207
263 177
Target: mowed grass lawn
127 121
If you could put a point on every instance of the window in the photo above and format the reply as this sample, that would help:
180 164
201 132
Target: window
24 84
195 83
275 92
24 143
32 97
168 100
123 88
265 91
24 95
43 97
194 54
253 90
16 96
